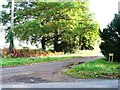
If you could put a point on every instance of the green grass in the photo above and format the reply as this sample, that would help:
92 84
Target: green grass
95 69
12 62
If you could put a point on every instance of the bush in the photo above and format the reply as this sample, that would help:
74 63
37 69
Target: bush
111 39
28 53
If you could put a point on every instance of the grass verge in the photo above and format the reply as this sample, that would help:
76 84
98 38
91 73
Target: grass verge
12 62
95 69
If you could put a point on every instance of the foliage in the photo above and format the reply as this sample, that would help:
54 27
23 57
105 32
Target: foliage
95 69
111 39
53 23
26 52
6 20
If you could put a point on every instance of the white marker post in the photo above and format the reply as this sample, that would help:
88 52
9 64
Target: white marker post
111 57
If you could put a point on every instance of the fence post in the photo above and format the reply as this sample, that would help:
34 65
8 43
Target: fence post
111 57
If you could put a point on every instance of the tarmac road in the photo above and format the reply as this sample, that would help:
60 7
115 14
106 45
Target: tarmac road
49 75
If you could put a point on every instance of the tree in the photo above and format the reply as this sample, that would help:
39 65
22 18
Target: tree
7 18
10 33
87 29
55 23
111 38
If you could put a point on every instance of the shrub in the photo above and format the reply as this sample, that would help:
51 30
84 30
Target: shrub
111 39
28 53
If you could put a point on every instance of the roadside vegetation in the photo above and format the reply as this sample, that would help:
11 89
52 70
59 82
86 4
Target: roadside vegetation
59 27
95 69
111 38
39 58
12 62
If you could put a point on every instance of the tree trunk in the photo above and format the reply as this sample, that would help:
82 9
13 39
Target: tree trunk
11 46
43 43
56 46
80 42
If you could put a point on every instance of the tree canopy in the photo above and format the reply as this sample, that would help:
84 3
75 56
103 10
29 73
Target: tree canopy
60 24
111 38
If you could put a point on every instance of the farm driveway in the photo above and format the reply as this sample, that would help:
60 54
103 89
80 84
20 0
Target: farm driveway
42 73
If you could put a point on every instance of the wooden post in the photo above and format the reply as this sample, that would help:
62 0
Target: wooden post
111 57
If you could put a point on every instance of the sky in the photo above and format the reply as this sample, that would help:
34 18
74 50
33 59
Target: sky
104 11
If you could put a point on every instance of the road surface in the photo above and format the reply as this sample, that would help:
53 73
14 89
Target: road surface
50 75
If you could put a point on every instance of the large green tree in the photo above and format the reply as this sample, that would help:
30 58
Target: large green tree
62 24
111 38
54 19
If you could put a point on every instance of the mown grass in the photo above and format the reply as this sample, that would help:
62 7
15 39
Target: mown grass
12 62
95 69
